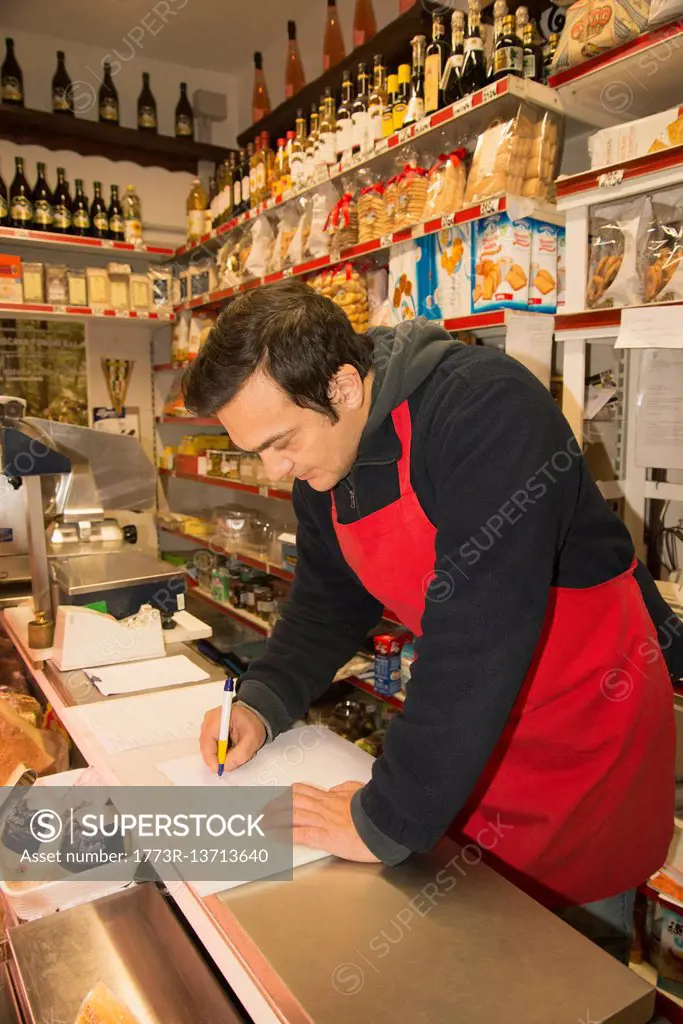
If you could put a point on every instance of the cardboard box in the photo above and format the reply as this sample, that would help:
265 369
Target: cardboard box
543 271
427 279
502 263
637 138
453 252
403 281
10 279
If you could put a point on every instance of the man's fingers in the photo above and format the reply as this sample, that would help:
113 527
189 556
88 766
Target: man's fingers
238 755
306 789
309 816
314 837
347 787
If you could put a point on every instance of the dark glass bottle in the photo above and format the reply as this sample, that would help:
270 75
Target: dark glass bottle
20 204
4 206
11 78
62 94
451 85
99 221
508 56
184 118
147 107
532 56
416 103
61 205
42 202
115 216
436 57
549 54
80 218
108 100
474 67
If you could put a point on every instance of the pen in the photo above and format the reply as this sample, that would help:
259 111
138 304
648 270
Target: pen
224 731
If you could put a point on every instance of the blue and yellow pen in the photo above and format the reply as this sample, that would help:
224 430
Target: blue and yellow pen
224 731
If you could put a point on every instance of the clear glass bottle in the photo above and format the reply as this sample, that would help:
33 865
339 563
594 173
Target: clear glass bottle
359 111
328 130
299 150
132 216
268 157
377 103
416 103
312 144
196 206
436 56
521 20
344 119
246 178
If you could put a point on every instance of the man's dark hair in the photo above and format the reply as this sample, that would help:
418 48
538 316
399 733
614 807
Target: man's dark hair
295 336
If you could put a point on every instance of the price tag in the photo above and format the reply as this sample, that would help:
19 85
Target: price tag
263 491
489 206
385 241
206 297
489 92
98 310
381 146
59 309
288 271
122 314
448 220
423 126
404 134
462 106
610 179
21 233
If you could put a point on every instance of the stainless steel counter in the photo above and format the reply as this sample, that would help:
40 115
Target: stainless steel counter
352 942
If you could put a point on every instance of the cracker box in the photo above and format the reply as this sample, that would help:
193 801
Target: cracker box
502 262
453 254
428 279
403 281
543 271
637 138
10 279
561 269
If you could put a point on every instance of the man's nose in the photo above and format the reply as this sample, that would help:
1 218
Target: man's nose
277 466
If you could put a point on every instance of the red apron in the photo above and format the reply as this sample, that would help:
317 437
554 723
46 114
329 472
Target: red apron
584 769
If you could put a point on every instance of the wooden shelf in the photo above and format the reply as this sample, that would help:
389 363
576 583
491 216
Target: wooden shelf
90 138
392 41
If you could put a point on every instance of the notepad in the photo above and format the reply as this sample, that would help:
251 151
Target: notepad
145 720
154 674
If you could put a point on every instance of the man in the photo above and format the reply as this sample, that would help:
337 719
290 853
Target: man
441 481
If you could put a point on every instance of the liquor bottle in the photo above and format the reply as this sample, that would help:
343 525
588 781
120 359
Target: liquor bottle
328 130
260 101
286 180
246 178
227 200
532 56
108 99
508 56
237 185
117 231
312 144
210 197
20 204
80 215
436 57
255 159
99 221
451 85
184 118
333 42
42 202
500 10
196 206
416 103
132 216
62 93
474 66
549 54
4 207
521 20
359 111
299 150
147 107
388 112
61 205
364 22
344 137
377 103
295 79
400 107
11 78
268 165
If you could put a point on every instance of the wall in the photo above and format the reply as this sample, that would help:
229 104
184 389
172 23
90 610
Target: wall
163 193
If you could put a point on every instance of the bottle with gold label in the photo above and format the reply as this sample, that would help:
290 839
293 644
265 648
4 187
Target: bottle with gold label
297 156
436 57
196 206
416 103
20 202
508 56
359 111
328 130
474 66
451 85
344 122
268 164
377 103
80 217
532 56
549 54
311 151
500 10
11 78
108 100
42 202
253 163
400 105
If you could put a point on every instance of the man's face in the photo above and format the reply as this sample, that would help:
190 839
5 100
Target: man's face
292 441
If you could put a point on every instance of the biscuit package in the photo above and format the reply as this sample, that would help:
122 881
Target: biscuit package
453 251
371 213
543 270
637 138
663 269
593 26
618 236
403 293
428 279
446 185
346 287
342 223
502 264
561 269
412 195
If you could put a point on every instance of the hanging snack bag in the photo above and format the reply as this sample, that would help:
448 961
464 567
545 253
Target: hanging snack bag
663 270
616 264
342 223
412 195
286 229
502 263
262 241
446 184
372 221
318 243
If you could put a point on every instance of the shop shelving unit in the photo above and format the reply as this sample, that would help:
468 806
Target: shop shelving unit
68 244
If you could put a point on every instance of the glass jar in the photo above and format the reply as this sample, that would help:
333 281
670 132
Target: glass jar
266 604
348 720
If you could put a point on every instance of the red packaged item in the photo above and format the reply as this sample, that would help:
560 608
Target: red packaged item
388 647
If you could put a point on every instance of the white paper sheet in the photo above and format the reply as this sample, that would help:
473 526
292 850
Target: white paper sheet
529 339
147 719
650 327
659 410
146 675
309 754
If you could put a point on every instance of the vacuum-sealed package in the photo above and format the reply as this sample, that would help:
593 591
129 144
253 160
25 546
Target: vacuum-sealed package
446 182
663 270
372 221
262 241
618 234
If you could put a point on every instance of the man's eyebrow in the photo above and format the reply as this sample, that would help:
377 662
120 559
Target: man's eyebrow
268 442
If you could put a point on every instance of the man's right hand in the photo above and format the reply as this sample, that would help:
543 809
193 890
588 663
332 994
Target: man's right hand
247 735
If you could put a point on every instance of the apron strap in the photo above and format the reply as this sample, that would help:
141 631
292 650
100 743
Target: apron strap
403 427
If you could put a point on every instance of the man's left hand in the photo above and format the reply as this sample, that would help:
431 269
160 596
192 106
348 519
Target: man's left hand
322 819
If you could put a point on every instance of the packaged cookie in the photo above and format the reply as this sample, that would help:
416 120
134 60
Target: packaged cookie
371 213
663 269
446 184
502 264
618 235
348 290
543 268
501 158
318 242
258 259
453 251
594 26
342 223
412 196
391 202
403 291
286 229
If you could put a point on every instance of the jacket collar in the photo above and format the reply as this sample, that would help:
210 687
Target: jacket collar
379 448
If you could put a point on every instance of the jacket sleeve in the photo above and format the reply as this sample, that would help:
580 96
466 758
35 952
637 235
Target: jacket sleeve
505 459
668 625
323 624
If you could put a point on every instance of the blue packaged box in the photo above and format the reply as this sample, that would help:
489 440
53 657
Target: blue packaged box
502 263
428 279
543 283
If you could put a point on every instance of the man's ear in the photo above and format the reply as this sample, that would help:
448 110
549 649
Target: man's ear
346 388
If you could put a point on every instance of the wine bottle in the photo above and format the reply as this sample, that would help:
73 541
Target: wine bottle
20 204
61 205
299 150
108 100
532 56
260 101
451 85
312 144
508 56
4 206
328 129
237 185
268 162
253 164
377 103
132 216
400 106
184 118
364 22
474 66
62 93
500 10
388 112
359 111
295 79
246 178
42 202
196 207
99 221
333 42
549 54
436 57
80 217
344 121
147 107
521 21
11 78
416 103
115 217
